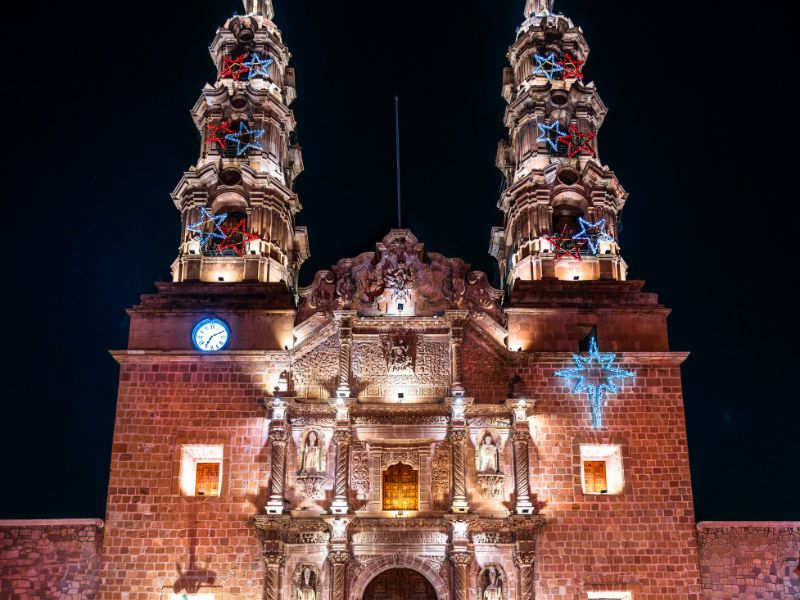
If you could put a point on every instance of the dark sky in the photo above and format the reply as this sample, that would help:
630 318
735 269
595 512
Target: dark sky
99 134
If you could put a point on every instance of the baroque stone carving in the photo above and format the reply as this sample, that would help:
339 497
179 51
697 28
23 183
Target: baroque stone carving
399 537
492 584
400 270
306 584
440 477
399 350
307 537
311 459
401 420
359 473
491 485
492 537
488 455
395 455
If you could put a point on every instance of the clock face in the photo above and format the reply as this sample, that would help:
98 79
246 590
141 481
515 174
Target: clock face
211 335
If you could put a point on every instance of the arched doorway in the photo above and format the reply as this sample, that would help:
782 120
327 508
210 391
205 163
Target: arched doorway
399 584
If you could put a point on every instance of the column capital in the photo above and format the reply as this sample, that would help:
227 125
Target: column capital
274 558
458 407
524 559
339 557
460 559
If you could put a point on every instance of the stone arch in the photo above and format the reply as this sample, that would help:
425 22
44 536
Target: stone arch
429 567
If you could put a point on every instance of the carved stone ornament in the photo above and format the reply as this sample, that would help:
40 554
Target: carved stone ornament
311 459
492 537
400 537
392 456
399 350
312 486
359 471
492 583
491 485
401 420
307 537
487 454
306 584
440 477
400 270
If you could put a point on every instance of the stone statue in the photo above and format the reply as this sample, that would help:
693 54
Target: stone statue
260 7
488 462
306 591
312 455
493 591
537 7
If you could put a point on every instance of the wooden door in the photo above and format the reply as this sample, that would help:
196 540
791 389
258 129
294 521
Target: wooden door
400 488
399 584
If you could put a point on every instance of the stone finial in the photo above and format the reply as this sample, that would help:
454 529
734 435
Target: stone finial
260 7
536 7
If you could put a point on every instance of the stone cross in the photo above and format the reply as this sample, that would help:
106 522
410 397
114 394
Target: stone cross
261 7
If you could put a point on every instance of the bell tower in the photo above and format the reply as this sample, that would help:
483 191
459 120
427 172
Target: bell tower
237 202
560 203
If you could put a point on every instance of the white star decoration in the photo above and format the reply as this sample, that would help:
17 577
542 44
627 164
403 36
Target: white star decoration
602 361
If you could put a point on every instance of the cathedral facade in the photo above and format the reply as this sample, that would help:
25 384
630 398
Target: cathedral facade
401 428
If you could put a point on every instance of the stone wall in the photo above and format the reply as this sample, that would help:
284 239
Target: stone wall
749 560
50 559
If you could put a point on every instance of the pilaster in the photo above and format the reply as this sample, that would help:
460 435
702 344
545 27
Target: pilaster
458 443
278 438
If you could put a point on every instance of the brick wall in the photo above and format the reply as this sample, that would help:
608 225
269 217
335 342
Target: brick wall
157 541
750 560
50 559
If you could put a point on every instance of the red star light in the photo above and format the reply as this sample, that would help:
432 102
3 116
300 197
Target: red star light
235 238
217 133
573 68
578 142
234 68
565 246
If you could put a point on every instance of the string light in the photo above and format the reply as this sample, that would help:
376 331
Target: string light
579 142
246 139
201 227
572 67
593 233
565 245
217 133
602 361
236 238
257 67
551 134
547 66
234 68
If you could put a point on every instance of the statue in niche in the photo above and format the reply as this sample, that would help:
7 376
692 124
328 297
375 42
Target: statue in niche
489 460
494 587
312 455
305 584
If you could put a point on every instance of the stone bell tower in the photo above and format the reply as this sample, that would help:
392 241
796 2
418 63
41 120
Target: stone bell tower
237 202
560 204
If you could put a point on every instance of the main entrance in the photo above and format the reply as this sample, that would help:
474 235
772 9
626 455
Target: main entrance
399 584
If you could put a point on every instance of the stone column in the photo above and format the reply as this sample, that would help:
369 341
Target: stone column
278 438
461 562
339 505
458 444
338 561
458 321
344 323
521 438
272 584
524 561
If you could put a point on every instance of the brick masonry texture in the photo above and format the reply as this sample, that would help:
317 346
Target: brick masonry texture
750 560
50 559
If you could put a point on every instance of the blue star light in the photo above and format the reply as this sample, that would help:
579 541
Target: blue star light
593 233
202 225
246 138
547 65
596 361
550 134
258 66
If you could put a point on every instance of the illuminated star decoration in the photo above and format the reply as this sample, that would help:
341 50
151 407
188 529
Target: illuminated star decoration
547 66
565 245
572 67
593 233
201 227
246 139
234 68
551 134
578 142
587 366
217 133
257 67
236 238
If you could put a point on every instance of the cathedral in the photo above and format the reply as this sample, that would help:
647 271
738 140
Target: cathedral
400 429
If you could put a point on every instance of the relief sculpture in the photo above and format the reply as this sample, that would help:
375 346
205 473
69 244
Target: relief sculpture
440 477
491 583
306 583
359 474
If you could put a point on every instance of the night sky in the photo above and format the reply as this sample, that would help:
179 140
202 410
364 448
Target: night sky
100 133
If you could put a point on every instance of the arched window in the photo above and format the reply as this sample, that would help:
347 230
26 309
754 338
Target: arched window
400 488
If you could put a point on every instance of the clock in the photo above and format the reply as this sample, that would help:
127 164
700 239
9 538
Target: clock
211 335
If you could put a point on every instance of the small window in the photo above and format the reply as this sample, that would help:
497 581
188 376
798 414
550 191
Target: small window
601 469
610 596
201 470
